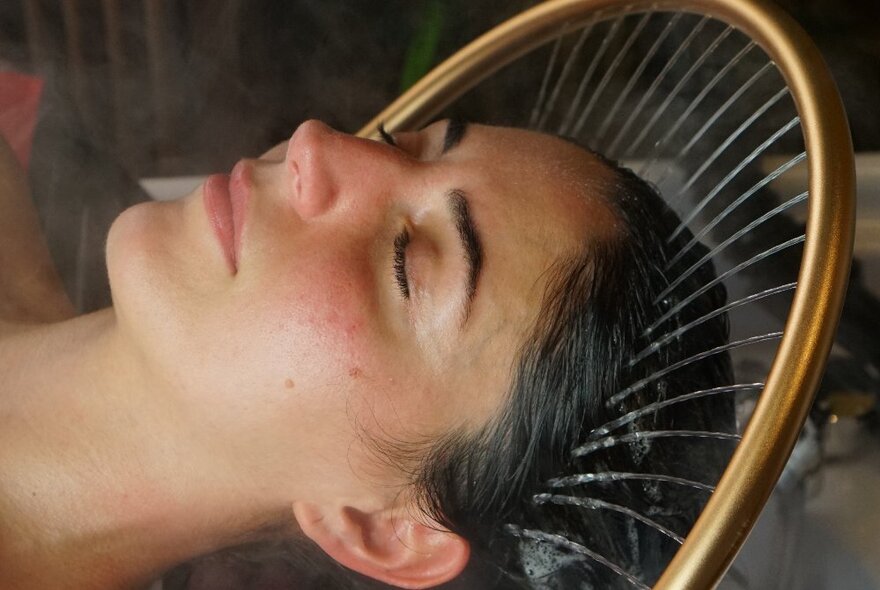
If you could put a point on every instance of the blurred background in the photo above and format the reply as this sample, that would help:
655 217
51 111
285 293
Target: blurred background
106 100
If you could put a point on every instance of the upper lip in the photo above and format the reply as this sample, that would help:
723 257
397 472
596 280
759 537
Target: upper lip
239 192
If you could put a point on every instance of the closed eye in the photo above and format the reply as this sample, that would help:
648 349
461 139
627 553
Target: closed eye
400 244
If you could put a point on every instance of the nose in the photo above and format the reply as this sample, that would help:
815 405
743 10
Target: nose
328 169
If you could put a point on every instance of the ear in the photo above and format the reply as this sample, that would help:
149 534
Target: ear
383 545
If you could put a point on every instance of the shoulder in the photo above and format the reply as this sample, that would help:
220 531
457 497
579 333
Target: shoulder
30 289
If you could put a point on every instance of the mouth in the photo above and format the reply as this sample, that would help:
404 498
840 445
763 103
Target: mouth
225 197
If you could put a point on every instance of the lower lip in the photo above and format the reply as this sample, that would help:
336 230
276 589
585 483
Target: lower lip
218 204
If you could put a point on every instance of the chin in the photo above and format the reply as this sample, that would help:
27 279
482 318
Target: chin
147 259
131 243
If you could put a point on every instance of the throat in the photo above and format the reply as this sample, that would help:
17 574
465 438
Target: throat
102 483
74 479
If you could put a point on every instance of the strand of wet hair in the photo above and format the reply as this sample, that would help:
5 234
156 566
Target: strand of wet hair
596 504
652 408
723 276
607 442
613 476
623 394
568 544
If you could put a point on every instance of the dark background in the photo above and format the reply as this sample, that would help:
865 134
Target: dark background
180 87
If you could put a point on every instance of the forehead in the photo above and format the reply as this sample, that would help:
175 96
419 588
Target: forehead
537 200
547 186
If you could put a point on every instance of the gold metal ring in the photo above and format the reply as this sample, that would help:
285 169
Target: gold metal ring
800 359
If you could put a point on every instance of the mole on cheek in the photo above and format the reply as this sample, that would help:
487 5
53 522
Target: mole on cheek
288 383
355 372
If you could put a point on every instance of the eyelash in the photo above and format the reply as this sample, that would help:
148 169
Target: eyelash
386 137
402 239
400 244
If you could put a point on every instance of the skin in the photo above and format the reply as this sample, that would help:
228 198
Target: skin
208 403
29 286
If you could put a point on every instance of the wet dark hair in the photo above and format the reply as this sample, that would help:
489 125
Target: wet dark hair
482 485
592 325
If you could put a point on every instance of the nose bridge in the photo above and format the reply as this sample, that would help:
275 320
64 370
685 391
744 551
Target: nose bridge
330 170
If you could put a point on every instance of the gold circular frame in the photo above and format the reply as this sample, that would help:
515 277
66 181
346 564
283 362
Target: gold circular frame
809 331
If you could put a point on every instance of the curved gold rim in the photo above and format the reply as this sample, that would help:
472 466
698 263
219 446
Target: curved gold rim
809 332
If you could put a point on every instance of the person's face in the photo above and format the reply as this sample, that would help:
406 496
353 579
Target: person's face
377 289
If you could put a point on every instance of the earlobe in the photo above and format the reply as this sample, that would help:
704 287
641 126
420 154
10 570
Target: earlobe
384 545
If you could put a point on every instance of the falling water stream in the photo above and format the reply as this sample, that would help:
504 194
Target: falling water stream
693 106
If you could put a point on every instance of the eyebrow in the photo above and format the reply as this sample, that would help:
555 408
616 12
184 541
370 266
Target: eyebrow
455 130
471 244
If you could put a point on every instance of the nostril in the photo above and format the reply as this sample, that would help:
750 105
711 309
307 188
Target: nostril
310 185
297 181
300 196
312 174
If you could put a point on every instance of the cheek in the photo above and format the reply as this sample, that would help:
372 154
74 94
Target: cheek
325 309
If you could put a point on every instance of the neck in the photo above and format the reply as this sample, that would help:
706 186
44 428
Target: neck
104 483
